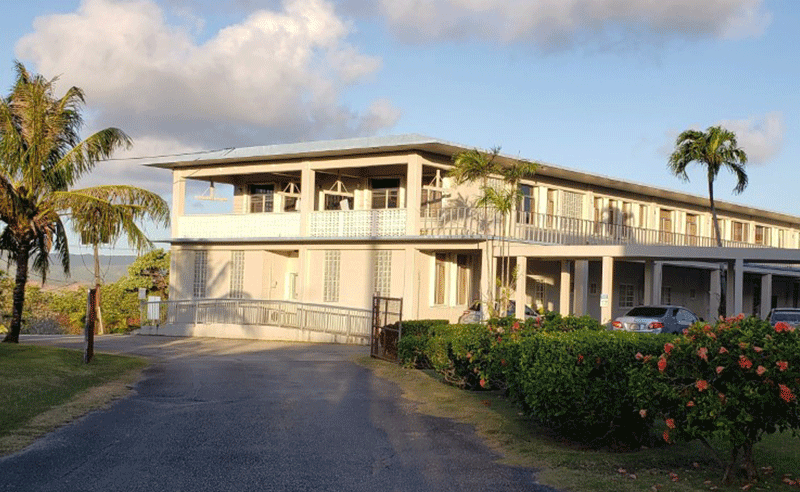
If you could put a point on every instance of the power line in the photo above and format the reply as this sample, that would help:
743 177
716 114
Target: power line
180 154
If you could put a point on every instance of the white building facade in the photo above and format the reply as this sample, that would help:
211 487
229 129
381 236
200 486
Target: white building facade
335 222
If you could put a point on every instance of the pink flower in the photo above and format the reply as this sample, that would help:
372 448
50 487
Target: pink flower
639 356
712 335
722 397
668 347
671 423
580 358
782 365
720 369
643 413
515 326
702 352
690 403
742 345
744 362
740 316
701 384
723 350
761 370
758 349
781 327
662 364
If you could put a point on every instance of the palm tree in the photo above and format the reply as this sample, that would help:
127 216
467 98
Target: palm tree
102 214
714 149
471 166
41 157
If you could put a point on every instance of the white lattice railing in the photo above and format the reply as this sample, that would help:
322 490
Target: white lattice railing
359 223
239 225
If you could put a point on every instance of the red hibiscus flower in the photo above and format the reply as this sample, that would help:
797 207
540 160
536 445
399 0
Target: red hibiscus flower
701 384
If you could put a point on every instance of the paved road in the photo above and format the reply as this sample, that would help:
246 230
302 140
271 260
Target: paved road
229 415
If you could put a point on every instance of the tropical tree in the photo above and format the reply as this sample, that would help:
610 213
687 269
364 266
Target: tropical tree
102 214
715 149
41 157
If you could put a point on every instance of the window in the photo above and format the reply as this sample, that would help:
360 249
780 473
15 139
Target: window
237 275
739 232
382 273
571 205
385 193
200 272
333 261
598 215
551 206
666 294
526 207
539 294
337 197
643 216
781 243
691 229
692 294
665 225
626 295
291 197
593 289
463 286
261 198
762 235
433 195
440 274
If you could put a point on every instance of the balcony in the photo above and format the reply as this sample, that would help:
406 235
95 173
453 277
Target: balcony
236 226
553 229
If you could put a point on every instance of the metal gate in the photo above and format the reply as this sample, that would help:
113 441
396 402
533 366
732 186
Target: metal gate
387 327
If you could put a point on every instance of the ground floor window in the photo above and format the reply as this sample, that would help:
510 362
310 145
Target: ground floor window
626 295
237 275
200 272
666 294
440 279
333 260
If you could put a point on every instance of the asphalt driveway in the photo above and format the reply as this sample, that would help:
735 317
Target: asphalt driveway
235 415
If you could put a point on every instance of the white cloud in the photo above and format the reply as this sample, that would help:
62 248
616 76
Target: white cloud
275 76
560 24
761 138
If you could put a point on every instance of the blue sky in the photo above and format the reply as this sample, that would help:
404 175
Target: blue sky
597 85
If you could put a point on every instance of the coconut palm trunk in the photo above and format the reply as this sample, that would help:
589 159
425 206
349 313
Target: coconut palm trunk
18 296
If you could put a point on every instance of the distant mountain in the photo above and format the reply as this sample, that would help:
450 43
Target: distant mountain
112 268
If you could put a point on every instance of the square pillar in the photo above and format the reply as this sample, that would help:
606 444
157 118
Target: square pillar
413 194
735 287
766 295
563 298
607 290
307 189
714 294
521 291
653 274
729 290
178 200
486 283
581 296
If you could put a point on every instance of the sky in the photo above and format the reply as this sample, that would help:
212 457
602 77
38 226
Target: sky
602 86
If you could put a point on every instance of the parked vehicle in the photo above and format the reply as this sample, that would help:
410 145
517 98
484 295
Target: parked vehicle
473 313
790 316
655 319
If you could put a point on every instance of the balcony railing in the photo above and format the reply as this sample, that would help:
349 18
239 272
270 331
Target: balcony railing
359 223
239 226
554 229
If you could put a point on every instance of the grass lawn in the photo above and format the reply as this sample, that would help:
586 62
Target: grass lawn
42 388
570 466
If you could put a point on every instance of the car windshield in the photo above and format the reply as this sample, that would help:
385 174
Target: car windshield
653 312
786 317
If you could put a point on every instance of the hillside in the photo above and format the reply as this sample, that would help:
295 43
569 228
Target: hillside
112 268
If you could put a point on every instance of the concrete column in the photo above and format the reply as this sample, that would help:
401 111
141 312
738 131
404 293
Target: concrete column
729 291
486 283
766 295
307 188
411 287
648 283
607 290
303 275
581 296
735 286
563 298
713 294
520 294
178 200
413 194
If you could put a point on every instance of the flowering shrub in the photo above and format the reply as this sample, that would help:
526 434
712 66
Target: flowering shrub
412 348
733 381
577 382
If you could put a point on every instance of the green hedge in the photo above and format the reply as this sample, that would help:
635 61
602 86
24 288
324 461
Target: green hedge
411 350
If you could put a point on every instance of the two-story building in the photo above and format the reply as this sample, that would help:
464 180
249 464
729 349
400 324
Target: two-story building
335 222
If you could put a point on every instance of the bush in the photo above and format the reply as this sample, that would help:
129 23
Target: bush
411 350
733 382
577 382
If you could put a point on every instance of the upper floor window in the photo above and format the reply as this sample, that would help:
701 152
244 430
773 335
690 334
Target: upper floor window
527 205
762 235
262 198
291 197
691 229
739 232
337 197
385 193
